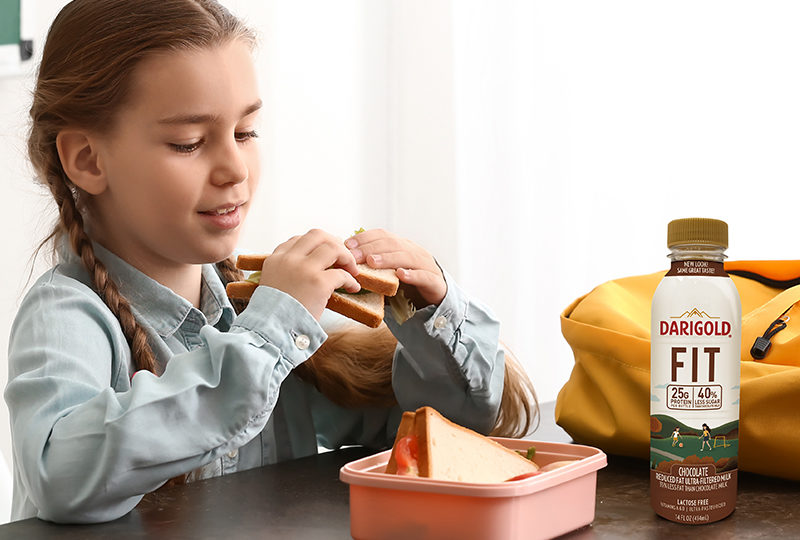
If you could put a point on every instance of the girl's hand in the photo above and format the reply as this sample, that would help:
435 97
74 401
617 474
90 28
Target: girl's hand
310 268
415 266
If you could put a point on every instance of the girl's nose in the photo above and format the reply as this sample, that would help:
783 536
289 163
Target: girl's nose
231 165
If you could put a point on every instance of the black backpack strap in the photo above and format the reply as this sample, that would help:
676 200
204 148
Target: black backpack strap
774 283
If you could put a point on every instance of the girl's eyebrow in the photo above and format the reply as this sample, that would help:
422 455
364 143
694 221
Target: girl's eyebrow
179 119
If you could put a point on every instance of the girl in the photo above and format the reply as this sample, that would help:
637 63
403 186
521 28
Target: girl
676 435
128 366
706 438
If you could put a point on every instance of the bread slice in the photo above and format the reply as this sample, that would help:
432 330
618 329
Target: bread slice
447 451
250 262
380 280
365 307
240 290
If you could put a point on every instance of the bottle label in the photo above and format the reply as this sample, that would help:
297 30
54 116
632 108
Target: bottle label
697 268
694 411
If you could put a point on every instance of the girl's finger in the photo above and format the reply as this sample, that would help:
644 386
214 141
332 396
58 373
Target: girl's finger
342 279
416 278
286 246
367 236
325 256
308 242
396 259
375 247
430 285
393 252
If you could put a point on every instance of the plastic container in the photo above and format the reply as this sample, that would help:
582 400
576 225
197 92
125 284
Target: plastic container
386 506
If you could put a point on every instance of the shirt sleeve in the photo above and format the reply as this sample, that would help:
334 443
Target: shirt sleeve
449 357
87 448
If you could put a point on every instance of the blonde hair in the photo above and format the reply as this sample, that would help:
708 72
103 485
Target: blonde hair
353 368
92 49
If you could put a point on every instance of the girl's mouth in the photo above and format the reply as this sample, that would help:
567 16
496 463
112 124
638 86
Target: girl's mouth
220 211
223 218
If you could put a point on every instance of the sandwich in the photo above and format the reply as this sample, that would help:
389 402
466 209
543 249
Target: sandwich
429 445
365 306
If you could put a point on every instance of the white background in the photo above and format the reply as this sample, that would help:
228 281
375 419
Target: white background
536 148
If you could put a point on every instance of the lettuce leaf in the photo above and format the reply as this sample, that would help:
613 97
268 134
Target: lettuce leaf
402 308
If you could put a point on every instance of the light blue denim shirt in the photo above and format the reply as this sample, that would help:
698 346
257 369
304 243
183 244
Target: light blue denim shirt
90 438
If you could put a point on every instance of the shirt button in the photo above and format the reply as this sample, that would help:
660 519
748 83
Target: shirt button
233 453
440 322
302 342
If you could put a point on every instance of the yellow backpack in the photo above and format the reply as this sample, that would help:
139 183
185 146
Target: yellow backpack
606 401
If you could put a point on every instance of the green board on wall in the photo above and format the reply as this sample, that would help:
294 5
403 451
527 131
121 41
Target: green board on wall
9 22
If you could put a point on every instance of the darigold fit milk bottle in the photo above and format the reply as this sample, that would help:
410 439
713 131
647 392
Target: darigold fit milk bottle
694 384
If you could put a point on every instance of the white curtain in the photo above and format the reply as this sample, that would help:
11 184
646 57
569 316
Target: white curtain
583 127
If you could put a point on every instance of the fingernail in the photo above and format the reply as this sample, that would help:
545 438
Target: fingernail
376 259
351 243
357 254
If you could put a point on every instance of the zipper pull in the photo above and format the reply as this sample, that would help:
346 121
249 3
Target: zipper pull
762 345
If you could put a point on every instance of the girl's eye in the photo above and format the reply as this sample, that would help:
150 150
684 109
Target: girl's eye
186 148
243 136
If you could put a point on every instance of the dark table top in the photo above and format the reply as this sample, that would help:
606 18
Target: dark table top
304 499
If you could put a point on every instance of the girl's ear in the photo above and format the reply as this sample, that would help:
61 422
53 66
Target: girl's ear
81 160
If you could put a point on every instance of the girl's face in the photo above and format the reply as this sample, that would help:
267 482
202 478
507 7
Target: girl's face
181 163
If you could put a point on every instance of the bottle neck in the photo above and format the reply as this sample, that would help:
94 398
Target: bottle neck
694 252
697 261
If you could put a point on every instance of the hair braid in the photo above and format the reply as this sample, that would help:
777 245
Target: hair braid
229 272
72 223
227 267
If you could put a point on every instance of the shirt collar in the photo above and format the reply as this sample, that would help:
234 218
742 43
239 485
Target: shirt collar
156 304
214 301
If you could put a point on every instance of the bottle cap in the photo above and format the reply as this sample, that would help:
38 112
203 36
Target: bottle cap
699 231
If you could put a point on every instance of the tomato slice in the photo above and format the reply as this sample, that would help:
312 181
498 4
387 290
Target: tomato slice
523 476
405 454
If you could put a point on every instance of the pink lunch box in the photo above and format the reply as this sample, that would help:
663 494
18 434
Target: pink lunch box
385 506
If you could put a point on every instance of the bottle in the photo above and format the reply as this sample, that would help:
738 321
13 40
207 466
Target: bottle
695 346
